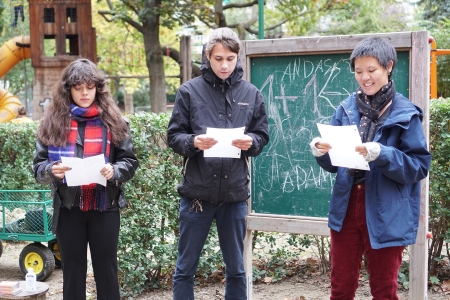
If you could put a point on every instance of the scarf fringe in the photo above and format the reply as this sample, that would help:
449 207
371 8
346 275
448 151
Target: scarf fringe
93 198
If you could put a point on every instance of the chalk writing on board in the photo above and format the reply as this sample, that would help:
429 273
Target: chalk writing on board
298 94
300 91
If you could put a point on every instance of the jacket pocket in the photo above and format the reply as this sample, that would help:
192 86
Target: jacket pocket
394 222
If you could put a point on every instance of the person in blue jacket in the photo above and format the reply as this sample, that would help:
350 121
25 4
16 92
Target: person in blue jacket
376 212
215 188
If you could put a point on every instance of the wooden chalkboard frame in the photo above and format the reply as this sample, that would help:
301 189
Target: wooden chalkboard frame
417 43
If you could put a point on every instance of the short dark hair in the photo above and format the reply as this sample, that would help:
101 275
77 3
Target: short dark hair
376 47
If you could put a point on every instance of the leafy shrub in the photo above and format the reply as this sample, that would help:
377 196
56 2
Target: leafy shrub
17 144
149 227
439 208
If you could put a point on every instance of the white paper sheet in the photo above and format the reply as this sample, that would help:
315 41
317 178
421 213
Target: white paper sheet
224 137
343 139
84 171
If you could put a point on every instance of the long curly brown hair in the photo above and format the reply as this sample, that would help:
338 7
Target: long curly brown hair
55 125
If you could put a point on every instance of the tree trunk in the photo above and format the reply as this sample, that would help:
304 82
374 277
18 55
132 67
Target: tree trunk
219 17
154 59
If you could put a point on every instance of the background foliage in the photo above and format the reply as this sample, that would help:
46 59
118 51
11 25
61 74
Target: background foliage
149 227
439 208
17 144
121 48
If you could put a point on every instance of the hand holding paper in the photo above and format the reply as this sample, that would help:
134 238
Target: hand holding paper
224 137
204 142
84 171
344 140
59 170
243 143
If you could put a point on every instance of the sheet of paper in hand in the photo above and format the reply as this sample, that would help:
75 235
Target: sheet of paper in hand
84 171
224 137
343 139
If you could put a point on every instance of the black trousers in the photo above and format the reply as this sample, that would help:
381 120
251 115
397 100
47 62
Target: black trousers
18 10
76 229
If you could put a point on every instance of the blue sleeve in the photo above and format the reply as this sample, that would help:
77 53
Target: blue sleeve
410 160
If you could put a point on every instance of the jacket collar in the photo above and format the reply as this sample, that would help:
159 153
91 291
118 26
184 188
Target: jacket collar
401 110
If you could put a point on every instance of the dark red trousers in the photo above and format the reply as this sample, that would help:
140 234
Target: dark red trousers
347 249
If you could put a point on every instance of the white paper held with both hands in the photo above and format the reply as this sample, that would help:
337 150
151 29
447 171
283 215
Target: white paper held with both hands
84 170
343 140
224 137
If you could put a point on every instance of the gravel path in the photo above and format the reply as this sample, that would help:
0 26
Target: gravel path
297 288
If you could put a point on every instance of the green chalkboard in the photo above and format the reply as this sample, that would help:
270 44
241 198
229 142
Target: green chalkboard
300 91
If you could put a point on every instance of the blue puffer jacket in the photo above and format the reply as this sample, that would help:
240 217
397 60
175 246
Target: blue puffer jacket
393 182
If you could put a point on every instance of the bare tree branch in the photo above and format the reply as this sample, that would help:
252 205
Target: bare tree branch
132 7
205 21
110 5
240 5
130 21
276 25
104 13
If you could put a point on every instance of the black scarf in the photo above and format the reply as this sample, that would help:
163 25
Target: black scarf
370 107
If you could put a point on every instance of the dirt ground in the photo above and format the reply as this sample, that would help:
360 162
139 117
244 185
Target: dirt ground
295 288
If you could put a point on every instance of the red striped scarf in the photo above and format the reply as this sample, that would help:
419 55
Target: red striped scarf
93 196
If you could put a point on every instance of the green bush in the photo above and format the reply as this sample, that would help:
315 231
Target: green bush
149 227
17 144
439 207
147 242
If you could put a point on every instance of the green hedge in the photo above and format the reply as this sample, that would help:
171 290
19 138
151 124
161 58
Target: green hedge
439 207
149 227
17 144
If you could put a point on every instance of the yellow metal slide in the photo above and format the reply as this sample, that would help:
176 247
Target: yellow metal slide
11 53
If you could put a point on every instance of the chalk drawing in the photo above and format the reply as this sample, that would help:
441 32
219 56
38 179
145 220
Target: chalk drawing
299 92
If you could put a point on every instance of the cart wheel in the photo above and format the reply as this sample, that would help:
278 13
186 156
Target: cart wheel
38 257
53 246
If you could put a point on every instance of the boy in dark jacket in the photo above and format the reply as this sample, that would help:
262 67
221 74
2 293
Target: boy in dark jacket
215 187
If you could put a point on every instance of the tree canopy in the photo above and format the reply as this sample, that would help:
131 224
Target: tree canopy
435 10
141 37
2 21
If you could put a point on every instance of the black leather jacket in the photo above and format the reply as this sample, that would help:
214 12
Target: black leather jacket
121 158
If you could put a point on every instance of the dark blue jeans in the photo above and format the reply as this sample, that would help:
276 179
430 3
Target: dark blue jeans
194 229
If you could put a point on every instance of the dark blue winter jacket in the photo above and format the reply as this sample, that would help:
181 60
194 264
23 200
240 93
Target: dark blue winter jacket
393 182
